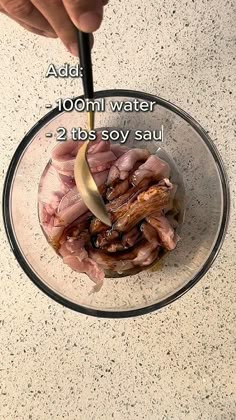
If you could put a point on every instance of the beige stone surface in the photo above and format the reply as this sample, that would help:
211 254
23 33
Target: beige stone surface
178 363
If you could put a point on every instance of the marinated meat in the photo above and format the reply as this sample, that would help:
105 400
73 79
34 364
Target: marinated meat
130 238
138 193
123 261
106 238
114 246
128 197
118 190
126 216
120 261
75 229
154 199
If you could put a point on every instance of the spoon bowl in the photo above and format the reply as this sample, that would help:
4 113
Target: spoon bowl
87 186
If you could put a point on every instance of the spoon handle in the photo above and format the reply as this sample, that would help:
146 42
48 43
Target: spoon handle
86 63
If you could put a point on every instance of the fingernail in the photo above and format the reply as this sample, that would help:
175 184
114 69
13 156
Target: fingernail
90 21
73 48
49 34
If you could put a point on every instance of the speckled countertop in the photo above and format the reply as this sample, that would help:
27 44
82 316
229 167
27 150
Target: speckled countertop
176 364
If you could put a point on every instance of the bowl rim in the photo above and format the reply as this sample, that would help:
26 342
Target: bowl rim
6 206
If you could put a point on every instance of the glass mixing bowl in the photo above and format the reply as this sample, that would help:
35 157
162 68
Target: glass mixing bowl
202 233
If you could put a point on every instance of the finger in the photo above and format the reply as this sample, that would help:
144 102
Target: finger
35 30
31 28
55 13
25 11
85 14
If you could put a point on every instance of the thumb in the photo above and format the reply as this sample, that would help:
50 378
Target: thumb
85 14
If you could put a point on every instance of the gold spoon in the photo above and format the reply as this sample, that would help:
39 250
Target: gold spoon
84 180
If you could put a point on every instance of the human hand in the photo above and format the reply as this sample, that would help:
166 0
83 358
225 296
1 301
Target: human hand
56 18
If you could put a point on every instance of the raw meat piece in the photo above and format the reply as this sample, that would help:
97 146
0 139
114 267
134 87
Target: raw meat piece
72 206
76 257
70 213
146 254
151 258
63 156
87 266
121 168
72 197
154 168
99 156
55 200
67 182
114 175
149 232
99 162
165 231
118 150
128 160
73 246
47 223
98 145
